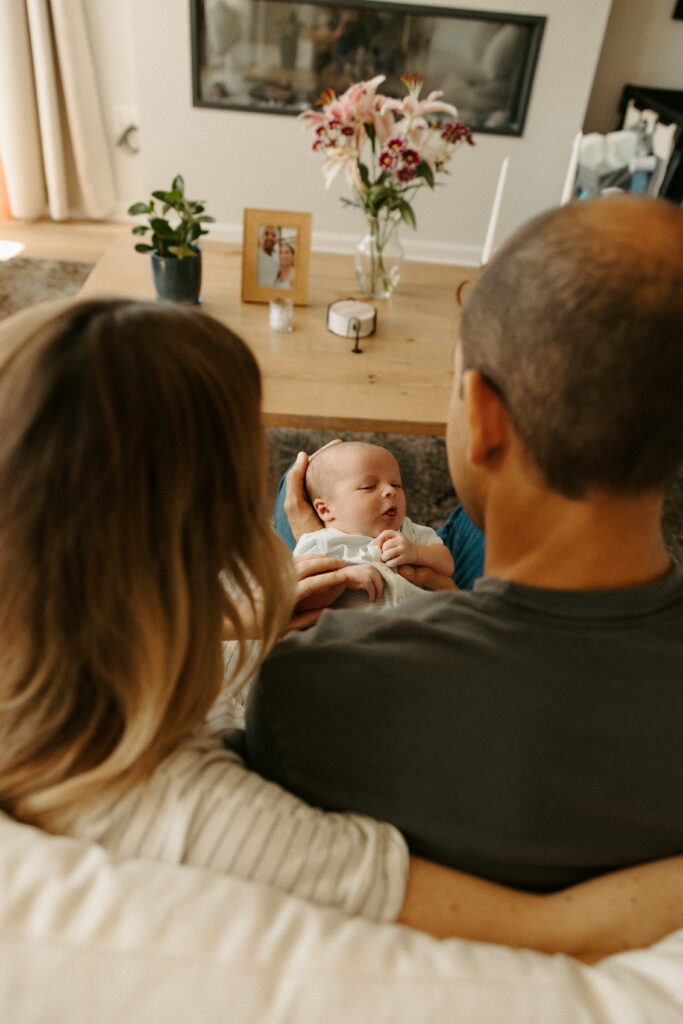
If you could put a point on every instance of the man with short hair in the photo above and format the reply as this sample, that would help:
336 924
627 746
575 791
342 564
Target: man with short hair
268 263
528 730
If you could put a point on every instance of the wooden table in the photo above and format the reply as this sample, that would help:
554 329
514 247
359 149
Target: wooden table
399 384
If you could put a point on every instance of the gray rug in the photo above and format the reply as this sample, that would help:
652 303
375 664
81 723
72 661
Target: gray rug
429 493
25 282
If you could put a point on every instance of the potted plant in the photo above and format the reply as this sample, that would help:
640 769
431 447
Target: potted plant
176 257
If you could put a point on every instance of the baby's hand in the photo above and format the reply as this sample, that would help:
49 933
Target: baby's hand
396 548
364 577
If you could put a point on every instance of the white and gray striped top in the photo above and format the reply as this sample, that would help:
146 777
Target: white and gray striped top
203 807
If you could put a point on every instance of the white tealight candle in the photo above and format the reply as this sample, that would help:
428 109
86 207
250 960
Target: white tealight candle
281 314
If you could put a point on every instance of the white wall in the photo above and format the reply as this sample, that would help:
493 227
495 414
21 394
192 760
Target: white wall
111 38
235 160
643 46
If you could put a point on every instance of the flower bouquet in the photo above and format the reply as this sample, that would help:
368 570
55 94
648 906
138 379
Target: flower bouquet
387 150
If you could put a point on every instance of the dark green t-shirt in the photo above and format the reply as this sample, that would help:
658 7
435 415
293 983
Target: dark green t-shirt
531 736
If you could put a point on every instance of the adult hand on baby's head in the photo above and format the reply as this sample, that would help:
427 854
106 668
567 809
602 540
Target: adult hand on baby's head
300 513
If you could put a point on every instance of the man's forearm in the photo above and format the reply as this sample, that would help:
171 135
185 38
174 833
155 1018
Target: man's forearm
435 556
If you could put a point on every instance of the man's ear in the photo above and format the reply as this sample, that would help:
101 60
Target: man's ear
323 510
487 418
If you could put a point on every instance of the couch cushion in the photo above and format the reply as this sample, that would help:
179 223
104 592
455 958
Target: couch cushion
89 940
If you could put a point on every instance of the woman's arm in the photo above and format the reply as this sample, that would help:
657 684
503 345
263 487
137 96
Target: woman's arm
623 910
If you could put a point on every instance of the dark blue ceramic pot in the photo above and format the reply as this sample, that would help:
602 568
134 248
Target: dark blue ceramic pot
177 280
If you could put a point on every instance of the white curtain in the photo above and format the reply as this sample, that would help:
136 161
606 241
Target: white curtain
52 135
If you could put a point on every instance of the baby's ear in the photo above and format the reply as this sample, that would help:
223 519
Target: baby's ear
323 510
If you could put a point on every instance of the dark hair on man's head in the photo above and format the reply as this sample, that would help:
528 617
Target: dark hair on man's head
578 324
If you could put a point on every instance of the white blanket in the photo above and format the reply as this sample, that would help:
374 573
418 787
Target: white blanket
87 940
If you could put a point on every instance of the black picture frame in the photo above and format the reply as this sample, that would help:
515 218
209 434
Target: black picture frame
277 57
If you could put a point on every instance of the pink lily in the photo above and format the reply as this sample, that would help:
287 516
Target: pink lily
345 160
413 108
359 98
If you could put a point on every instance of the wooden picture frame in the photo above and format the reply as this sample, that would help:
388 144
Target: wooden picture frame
266 234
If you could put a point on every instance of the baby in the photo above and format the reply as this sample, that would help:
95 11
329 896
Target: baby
356 491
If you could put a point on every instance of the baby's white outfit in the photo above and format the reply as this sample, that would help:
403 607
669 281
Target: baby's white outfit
356 550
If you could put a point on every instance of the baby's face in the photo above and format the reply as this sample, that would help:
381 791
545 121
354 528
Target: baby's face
367 496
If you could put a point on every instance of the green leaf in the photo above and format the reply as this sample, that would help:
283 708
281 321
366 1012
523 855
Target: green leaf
162 228
370 132
179 184
140 229
138 208
407 214
380 195
141 247
182 251
364 173
425 171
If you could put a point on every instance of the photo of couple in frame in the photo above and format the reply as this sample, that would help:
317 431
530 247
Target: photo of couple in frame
275 255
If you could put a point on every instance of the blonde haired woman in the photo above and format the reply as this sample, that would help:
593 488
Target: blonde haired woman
134 536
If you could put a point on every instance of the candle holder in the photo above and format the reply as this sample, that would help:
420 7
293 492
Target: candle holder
280 314
350 318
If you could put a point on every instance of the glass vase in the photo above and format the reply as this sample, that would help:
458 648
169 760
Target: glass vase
379 256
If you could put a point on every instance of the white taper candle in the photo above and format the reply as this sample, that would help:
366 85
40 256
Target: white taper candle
568 189
495 213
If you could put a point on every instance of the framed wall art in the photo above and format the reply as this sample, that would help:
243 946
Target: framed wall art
276 252
277 57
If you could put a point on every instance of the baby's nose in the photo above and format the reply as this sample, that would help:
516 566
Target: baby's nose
389 489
